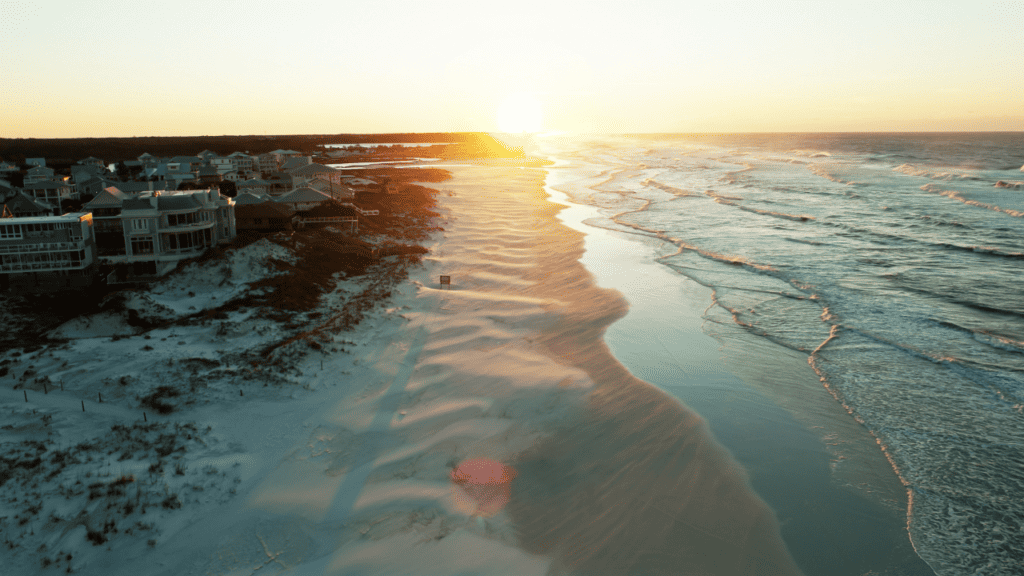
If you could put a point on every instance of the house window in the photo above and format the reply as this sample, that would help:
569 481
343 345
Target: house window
142 245
140 224
10 232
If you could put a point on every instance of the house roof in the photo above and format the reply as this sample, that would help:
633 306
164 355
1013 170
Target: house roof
293 163
254 182
208 171
247 198
187 159
303 195
309 170
266 209
279 151
23 203
109 198
172 202
135 187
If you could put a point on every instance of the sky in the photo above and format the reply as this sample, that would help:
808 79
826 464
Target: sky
96 68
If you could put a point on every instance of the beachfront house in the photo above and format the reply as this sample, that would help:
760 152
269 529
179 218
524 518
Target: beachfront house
344 217
262 214
47 253
158 230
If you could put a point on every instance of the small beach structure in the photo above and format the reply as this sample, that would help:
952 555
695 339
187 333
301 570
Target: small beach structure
263 215
303 198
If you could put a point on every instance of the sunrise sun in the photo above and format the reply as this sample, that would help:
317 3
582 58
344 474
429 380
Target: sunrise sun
520 113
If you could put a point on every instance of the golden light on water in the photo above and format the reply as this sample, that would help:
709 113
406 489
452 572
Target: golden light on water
519 113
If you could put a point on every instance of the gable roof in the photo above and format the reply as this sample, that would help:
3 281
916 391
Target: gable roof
23 204
110 197
186 160
293 163
303 195
310 170
247 198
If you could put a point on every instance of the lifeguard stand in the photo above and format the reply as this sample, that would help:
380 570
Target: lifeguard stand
446 281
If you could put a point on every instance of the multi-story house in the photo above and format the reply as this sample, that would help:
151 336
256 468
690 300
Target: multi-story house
242 162
159 230
254 186
92 161
53 192
47 253
38 174
267 164
22 205
308 172
222 164
280 183
147 160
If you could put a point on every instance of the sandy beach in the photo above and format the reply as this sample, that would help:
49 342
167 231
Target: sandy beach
352 471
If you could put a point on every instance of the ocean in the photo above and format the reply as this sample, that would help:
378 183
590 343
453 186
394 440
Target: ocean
886 266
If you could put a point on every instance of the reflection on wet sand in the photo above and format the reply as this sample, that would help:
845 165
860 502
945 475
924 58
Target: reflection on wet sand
634 484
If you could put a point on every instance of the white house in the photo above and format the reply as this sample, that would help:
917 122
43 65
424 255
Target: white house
159 230
47 253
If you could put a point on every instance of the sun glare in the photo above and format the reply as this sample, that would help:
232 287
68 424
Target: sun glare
520 113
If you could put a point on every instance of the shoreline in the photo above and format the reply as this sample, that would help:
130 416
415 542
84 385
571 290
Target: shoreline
776 419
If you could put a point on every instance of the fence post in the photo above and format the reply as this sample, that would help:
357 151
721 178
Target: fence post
144 417
83 405
23 391
100 396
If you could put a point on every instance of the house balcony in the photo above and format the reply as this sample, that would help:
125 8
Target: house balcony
185 227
